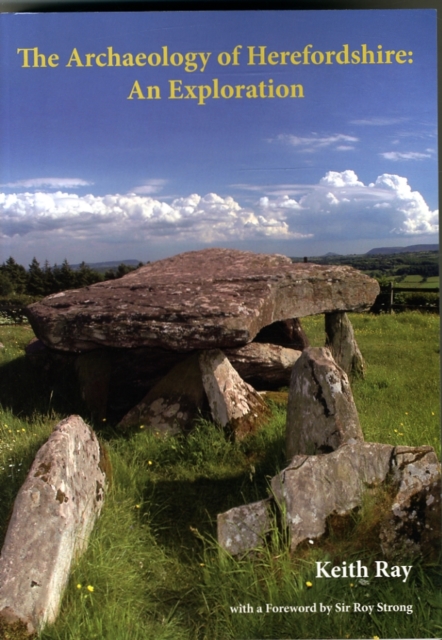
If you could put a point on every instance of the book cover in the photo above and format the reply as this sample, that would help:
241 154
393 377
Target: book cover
133 137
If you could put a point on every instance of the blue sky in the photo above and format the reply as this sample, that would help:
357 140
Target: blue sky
88 174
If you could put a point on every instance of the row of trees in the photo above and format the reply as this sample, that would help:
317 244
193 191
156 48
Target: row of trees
423 263
37 281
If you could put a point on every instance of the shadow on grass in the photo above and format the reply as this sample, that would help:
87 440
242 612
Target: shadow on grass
27 391
182 512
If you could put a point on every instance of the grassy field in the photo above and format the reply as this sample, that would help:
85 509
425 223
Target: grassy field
153 569
416 281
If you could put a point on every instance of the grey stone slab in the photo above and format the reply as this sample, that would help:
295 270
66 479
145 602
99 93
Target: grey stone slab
53 516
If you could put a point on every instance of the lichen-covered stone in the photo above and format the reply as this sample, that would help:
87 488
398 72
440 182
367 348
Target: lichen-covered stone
340 339
214 298
321 413
413 525
264 366
312 488
172 405
233 402
53 516
244 528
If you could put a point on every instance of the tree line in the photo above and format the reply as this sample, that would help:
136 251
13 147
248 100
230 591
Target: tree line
39 281
422 263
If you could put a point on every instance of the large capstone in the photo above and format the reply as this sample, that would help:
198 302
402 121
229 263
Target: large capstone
214 298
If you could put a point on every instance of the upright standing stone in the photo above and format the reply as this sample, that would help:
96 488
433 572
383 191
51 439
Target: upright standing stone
321 413
233 402
342 343
53 516
172 405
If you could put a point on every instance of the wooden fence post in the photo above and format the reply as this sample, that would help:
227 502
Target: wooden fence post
390 308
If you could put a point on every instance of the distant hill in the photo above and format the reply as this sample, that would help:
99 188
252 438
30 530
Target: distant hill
104 266
411 249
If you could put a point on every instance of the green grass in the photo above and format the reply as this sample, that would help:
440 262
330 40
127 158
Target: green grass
153 561
416 281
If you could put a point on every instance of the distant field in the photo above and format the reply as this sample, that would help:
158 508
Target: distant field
417 281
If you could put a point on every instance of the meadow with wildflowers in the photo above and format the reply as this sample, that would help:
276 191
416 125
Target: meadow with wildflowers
153 568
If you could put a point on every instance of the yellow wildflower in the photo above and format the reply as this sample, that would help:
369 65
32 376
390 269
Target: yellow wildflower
90 588
309 584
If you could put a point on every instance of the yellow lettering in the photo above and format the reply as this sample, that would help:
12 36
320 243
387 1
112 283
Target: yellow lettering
261 55
136 90
25 56
153 92
175 88
342 56
98 60
294 58
317 57
128 60
89 57
140 60
75 58
282 91
52 60
251 91
297 91
113 57
366 52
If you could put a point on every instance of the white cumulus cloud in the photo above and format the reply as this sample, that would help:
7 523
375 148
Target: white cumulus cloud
342 206
339 206
208 218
